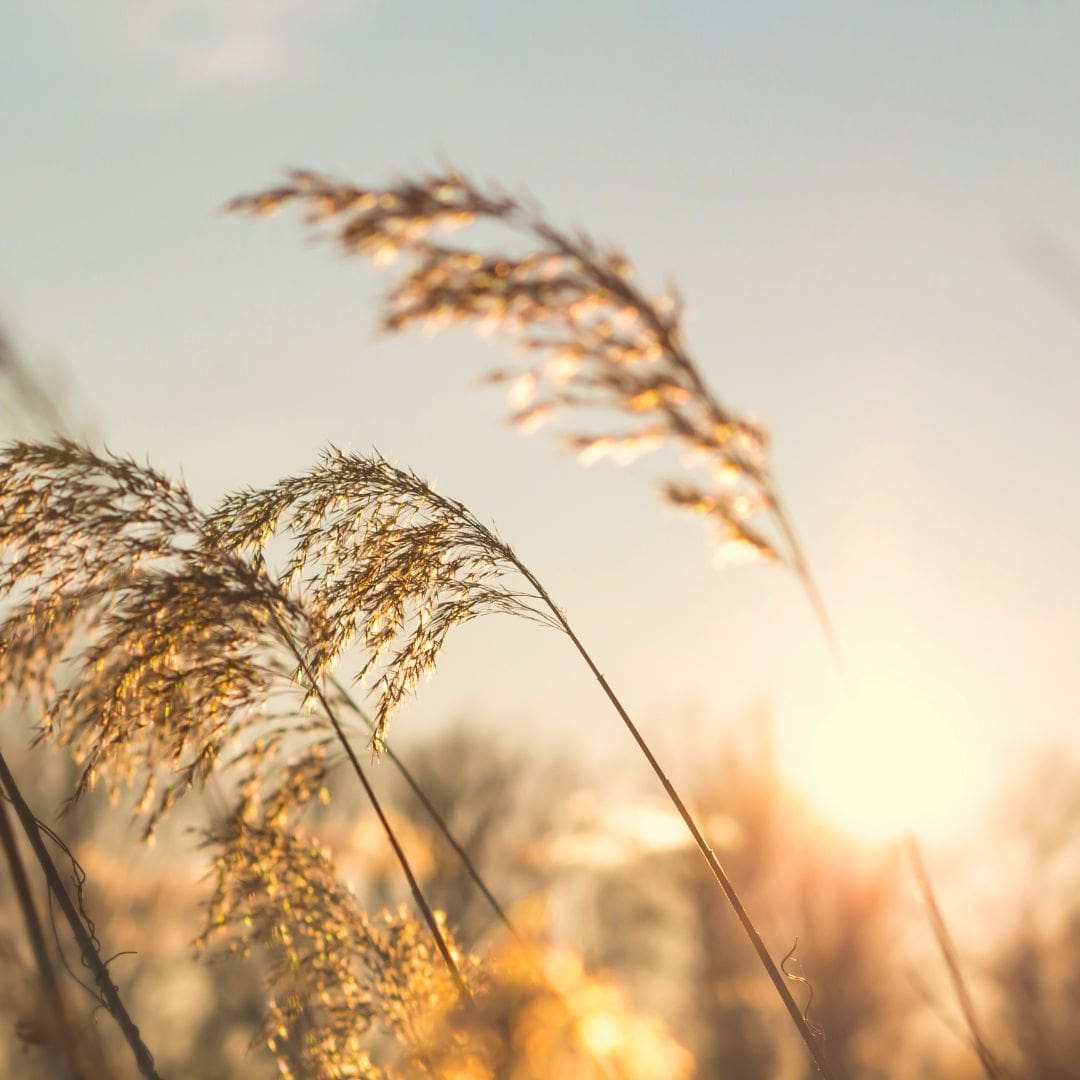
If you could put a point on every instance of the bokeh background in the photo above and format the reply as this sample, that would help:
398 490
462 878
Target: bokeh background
873 215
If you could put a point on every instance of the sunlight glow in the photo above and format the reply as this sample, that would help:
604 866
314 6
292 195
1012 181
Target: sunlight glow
898 748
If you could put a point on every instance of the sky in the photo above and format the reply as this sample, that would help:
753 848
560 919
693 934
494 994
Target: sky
873 213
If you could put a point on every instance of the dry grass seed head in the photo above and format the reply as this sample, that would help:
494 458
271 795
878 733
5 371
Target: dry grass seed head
74 527
382 559
175 651
340 982
601 342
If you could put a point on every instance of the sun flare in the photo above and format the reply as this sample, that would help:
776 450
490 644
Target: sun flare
896 748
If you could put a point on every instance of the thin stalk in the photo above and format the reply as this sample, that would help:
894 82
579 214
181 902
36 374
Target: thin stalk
388 829
952 1026
438 820
813 1042
802 571
34 932
470 867
991 1066
110 995
945 944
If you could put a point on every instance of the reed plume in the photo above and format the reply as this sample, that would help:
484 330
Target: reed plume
387 563
602 344
402 563
174 651
180 649
339 982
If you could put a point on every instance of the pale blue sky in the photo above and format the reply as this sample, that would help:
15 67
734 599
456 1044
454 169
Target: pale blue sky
841 195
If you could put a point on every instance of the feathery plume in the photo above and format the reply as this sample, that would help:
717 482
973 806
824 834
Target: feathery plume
322 512
339 982
386 562
600 341
189 646
174 654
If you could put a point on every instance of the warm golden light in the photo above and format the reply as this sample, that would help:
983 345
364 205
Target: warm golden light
896 748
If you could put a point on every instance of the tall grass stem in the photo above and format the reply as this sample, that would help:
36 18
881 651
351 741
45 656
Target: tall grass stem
110 995
46 972
388 829
813 1041
991 1066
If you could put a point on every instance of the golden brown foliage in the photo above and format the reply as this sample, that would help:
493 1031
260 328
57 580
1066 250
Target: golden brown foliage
602 343
338 981
174 651
383 559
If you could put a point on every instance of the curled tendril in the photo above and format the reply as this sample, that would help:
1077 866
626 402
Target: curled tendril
794 977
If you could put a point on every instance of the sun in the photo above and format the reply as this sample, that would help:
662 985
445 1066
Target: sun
896 747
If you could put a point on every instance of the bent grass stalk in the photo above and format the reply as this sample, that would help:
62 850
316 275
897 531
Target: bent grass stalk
397 565
436 816
603 344
813 1039
110 995
391 836
46 973
462 854
990 1064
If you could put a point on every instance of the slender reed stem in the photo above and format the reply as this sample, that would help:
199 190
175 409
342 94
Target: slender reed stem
813 1042
388 829
46 972
990 1065
439 821
945 944
110 996
470 867
802 570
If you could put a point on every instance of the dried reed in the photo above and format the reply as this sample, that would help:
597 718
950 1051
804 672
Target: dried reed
602 342
395 565
179 647
107 992
993 1068
36 936
337 976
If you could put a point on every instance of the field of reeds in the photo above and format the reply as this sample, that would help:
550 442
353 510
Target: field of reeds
257 869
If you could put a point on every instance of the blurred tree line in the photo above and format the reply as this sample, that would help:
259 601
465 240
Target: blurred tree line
642 915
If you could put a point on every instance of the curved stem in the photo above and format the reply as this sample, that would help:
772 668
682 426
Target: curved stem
990 1065
110 996
466 861
388 829
437 818
814 1043
802 571
46 973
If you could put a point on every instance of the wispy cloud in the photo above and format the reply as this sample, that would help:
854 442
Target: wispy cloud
190 44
